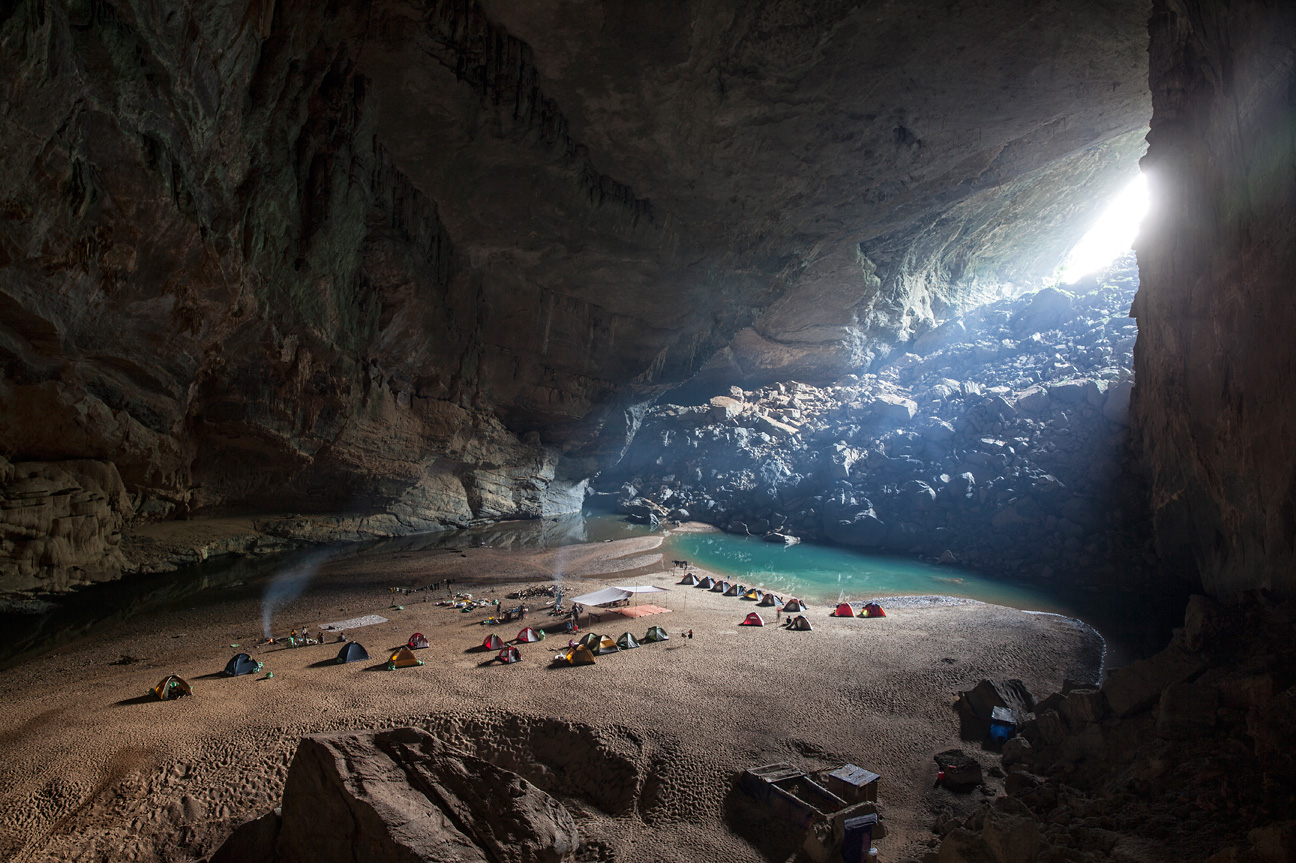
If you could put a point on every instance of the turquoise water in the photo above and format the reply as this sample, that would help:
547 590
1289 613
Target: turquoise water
828 574
818 574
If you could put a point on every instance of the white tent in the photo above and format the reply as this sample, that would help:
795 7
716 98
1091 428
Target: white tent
647 588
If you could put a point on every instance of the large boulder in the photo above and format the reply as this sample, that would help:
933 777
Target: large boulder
402 795
976 705
894 409
1046 311
864 529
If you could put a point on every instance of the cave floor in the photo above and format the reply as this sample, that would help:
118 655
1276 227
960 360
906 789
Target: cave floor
91 769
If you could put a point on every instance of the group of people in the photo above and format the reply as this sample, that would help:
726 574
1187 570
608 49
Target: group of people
443 584
681 564
302 638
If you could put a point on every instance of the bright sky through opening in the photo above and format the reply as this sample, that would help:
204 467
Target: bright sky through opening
1111 236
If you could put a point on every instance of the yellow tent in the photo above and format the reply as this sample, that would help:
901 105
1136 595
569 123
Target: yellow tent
403 658
172 686
580 655
606 645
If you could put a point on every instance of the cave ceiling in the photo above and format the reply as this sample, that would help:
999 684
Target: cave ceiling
290 234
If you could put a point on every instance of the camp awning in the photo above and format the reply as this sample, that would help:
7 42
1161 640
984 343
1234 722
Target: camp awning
616 594
607 594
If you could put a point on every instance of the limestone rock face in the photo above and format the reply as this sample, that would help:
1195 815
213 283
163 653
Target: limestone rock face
425 262
63 518
1215 398
400 795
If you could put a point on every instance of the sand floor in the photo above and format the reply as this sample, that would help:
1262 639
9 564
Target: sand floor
643 747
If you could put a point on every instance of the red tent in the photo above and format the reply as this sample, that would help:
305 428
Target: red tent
843 610
529 635
872 609
509 654
492 642
416 641
753 619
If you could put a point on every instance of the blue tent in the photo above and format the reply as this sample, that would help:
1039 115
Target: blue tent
352 652
242 664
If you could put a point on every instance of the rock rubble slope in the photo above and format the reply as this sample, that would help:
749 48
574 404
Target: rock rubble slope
998 439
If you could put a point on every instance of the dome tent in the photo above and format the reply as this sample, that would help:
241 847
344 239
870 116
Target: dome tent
578 655
241 664
172 686
352 651
403 658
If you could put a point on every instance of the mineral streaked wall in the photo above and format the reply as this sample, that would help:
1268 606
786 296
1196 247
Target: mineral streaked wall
425 261
1215 403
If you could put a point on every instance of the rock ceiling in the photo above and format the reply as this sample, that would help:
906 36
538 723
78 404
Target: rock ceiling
277 254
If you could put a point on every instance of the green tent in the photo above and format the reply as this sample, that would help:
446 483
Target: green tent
626 641
656 633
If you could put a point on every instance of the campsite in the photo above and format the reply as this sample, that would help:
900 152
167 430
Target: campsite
114 767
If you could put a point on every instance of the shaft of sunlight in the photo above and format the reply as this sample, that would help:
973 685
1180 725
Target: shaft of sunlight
1111 236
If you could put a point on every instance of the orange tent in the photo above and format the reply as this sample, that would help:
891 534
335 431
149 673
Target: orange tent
843 610
403 658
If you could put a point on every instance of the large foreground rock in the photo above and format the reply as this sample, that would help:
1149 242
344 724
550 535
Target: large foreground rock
404 795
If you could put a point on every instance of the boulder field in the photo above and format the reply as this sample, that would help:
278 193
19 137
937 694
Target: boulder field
997 440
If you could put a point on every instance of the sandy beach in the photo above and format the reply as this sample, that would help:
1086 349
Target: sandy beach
642 747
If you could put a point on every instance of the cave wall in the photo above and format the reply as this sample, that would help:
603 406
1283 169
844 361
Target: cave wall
426 260
1215 401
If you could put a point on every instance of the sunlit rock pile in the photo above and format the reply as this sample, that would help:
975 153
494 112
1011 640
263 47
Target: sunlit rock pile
997 439
1183 756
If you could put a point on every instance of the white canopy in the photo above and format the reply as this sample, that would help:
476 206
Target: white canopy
598 597
615 594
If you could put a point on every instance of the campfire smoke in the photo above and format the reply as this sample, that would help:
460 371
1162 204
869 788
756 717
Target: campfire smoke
288 584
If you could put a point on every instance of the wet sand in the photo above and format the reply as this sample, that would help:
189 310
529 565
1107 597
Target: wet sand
92 769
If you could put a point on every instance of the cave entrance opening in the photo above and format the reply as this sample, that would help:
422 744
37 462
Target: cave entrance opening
1111 235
